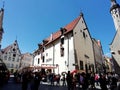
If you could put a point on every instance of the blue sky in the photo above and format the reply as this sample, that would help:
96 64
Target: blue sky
30 21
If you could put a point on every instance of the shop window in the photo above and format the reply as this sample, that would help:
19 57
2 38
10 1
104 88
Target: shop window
81 65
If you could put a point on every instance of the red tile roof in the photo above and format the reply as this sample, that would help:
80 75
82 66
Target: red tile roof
69 27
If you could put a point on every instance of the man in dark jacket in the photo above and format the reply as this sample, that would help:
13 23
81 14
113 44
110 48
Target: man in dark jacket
37 80
69 79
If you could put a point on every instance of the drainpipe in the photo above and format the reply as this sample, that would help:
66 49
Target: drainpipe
53 57
68 53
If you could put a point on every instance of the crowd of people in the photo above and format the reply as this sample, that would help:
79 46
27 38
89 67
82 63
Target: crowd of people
72 81
90 80
4 77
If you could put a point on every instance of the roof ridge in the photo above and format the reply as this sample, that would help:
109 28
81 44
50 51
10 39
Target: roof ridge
69 27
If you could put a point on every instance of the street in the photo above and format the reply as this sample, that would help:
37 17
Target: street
11 85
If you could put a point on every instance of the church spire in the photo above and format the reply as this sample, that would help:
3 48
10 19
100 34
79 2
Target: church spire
115 12
1 23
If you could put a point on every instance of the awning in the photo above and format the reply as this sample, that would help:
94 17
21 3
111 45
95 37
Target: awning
45 67
74 71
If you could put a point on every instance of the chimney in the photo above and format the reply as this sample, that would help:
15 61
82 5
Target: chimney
99 44
51 37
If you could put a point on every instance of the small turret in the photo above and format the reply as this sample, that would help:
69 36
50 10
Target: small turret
114 5
115 12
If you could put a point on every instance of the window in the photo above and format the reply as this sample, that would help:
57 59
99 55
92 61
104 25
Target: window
9 58
18 60
16 66
89 67
13 59
13 49
116 15
5 57
81 65
43 59
80 30
12 65
82 21
46 54
63 30
8 65
62 51
14 55
84 35
38 60
62 40
43 49
14 44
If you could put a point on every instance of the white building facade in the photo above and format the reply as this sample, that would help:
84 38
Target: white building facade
70 48
55 55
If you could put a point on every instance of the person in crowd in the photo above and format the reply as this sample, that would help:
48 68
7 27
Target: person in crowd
51 77
69 80
103 82
113 84
63 80
25 80
84 81
32 81
58 79
97 79
109 76
92 80
118 88
1 78
37 80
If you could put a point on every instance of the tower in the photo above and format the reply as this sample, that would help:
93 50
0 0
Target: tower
1 24
115 12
